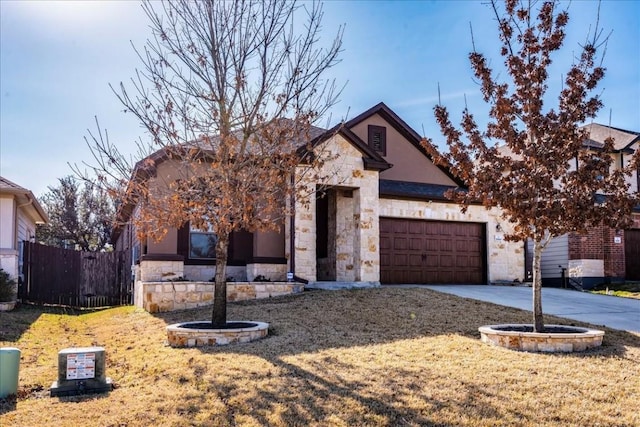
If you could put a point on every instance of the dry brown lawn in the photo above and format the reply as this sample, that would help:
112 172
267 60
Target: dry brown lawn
379 357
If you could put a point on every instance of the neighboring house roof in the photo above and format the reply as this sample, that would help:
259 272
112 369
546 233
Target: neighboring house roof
622 139
25 199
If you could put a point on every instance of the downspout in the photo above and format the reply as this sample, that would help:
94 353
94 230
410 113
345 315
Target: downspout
30 202
292 233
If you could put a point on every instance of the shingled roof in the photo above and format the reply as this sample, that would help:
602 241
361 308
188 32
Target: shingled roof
622 139
25 198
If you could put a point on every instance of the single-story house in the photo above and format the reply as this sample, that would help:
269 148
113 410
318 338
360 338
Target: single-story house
382 218
603 254
19 214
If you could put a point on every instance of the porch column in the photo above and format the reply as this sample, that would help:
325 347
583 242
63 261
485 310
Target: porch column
367 237
305 236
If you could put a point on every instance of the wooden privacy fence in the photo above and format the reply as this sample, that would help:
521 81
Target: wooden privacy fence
74 278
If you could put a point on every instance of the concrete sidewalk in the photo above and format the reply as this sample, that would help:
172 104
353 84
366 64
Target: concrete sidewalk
599 310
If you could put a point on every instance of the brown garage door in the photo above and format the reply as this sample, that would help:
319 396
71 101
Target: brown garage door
632 254
415 251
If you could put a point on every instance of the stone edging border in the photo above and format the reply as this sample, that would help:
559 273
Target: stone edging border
179 336
562 342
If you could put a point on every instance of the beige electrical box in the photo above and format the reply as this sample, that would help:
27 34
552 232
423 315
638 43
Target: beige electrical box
81 370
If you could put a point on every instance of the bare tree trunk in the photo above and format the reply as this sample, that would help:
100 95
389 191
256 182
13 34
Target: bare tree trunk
219 314
538 322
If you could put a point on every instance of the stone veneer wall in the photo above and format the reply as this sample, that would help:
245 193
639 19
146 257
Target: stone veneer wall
505 260
357 237
204 273
169 296
157 271
275 272
345 226
579 268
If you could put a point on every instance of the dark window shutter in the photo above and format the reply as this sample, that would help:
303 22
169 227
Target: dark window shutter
377 139
183 240
241 247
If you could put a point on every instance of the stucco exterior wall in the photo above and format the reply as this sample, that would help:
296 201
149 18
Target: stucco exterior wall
634 179
415 167
268 243
168 245
505 260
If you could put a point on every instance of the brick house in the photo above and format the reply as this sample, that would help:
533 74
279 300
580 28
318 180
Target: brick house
382 218
603 254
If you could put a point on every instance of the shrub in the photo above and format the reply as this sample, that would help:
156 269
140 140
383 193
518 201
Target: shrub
7 287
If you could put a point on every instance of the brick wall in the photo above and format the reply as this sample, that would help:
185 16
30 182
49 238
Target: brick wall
614 262
587 246
600 244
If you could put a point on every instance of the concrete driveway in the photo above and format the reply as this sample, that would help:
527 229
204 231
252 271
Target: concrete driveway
599 310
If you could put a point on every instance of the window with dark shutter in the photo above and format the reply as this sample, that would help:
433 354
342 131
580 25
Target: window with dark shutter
378 139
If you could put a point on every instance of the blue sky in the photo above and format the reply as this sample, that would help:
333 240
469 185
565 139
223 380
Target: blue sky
58 58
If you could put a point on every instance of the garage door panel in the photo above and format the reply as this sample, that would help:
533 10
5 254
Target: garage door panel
400 227
445 277
432 245
415 228
431 251
447 261
400 260
415 244
474 246
459 230
432 261
446 245
415 260
385 242
386 227
385 259
462 261
414 276
475 262
400 243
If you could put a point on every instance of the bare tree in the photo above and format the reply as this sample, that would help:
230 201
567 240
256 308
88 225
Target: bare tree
228 93
541 176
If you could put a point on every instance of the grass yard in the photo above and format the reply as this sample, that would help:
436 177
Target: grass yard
379 357
624 290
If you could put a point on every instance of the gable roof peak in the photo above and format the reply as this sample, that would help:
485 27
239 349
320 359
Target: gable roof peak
403 129
623 139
